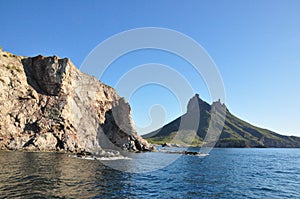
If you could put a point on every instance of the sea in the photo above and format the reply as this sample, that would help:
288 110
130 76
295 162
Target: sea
224 173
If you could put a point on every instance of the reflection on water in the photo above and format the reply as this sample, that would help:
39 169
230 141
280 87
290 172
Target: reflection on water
225 173
28 175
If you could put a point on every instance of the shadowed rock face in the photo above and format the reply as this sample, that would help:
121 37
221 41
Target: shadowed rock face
47 104
45 74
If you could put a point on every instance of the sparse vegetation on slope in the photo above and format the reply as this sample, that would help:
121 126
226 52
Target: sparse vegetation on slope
235 132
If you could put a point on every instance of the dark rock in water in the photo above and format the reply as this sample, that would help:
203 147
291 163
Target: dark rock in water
166 145
99 153
47 104
171 145
183 152
83 154
190 153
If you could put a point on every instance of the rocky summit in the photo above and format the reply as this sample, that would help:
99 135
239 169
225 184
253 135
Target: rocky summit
47 104
233 132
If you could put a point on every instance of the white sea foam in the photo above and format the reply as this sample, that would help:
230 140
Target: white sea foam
100 158
113 158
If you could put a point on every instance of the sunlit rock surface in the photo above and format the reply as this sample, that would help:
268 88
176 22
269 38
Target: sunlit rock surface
47 104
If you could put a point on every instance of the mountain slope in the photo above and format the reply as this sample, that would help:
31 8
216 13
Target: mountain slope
235 132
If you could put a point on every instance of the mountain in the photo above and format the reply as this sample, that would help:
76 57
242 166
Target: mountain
47 104
234 133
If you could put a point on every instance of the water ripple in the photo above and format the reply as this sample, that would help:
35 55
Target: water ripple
225 173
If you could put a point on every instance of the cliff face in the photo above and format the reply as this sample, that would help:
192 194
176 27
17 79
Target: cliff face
47 104
235 132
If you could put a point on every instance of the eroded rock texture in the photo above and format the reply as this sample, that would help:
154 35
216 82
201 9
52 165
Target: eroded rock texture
47 104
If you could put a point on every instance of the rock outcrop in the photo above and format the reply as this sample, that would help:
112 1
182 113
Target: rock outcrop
47 104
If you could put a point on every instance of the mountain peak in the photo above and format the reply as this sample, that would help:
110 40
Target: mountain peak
235 132
196 104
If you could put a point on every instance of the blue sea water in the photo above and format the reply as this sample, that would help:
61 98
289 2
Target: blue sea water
225 173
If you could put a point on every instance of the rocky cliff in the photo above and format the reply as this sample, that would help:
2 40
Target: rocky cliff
234 133
47 104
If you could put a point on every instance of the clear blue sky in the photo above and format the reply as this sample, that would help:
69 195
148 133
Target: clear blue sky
254 43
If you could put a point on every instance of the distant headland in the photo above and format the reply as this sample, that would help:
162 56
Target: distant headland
234 133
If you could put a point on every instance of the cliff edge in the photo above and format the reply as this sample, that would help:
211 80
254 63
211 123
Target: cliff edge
47 104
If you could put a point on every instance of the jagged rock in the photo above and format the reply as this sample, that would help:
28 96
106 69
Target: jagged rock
45 142
116 127
47 104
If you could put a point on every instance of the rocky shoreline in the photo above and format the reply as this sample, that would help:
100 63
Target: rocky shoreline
47 104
